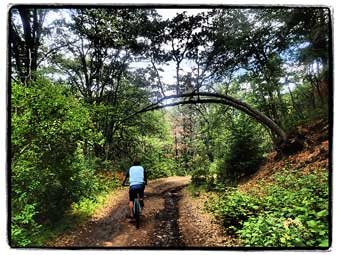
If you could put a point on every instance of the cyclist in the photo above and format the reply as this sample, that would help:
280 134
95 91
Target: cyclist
138 180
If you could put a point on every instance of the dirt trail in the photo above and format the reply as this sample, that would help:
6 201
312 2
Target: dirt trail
171 218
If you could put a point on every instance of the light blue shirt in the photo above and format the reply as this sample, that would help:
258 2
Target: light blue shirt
136 175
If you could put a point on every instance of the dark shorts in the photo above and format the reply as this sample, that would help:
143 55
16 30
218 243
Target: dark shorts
136 189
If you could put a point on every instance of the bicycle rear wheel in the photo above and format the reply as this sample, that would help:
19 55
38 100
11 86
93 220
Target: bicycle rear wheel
136 211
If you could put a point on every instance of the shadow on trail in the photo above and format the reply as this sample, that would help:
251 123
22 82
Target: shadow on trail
159 228
95 232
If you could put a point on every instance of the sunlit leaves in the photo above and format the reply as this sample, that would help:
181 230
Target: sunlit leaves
291 212
49 129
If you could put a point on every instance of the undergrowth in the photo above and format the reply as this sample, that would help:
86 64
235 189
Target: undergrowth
77 213
291 211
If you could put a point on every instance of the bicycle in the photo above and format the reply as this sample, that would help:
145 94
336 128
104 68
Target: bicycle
136 210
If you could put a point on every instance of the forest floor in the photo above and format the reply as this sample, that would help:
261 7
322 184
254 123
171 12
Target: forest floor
171 218
313 157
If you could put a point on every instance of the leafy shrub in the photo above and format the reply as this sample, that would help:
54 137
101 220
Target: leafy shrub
300 199
234 207
244 154
292 212
271 230
24 228
199 176
207 175
49 170
160 169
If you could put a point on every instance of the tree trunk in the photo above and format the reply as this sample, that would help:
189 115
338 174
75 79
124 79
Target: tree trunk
25 47
295 106
206 97
273 107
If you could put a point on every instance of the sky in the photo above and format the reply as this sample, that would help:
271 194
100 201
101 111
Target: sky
168 76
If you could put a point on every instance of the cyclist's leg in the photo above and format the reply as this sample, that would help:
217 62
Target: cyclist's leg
132 196
141 196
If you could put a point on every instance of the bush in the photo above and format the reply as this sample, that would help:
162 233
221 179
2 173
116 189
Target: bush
292 212
24 228
244 154
233 208
271 230
301 203
49 170
160 169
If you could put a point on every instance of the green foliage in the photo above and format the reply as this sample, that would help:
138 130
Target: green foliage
160 169
226 146
234 207
157 150
85 207
244 153
306 108
49 168
24 228
292 212
148 136
201 173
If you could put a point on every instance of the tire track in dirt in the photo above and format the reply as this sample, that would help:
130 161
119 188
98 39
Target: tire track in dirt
171 219
168 233
110 228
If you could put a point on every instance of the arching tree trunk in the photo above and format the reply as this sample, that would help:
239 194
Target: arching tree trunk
206 97
282 144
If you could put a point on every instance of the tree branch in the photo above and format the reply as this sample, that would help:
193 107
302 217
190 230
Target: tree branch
53 50
215 98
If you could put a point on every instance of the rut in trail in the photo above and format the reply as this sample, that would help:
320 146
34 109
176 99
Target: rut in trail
170 219
168 234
